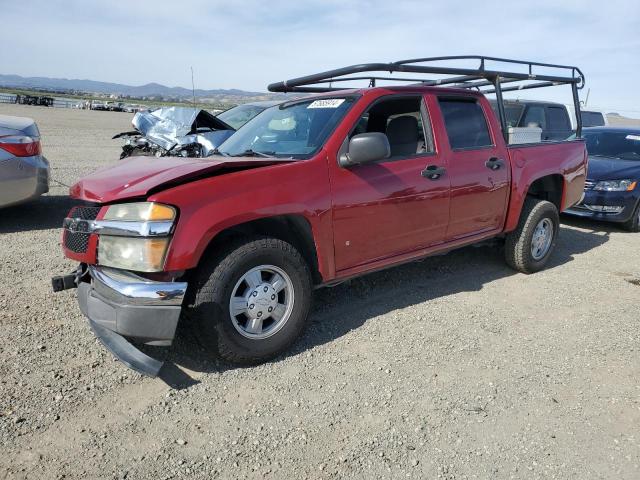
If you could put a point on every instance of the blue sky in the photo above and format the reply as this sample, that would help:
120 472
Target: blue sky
248 44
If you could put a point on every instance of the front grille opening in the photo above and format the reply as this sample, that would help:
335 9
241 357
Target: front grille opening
78 242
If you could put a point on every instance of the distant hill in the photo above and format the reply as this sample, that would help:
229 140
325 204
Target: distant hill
148 90
617 119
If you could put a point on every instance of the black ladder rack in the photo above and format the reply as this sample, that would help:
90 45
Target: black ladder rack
483 79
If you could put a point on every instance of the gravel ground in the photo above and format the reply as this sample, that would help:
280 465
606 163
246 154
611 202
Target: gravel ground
455 367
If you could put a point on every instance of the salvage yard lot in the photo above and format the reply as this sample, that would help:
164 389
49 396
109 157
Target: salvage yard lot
454 367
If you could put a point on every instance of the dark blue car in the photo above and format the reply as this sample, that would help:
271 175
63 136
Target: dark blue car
612 190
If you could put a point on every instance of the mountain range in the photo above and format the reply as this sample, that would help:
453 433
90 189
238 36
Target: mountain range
93 86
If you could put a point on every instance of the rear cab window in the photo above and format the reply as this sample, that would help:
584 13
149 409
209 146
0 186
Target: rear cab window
558 123
465 123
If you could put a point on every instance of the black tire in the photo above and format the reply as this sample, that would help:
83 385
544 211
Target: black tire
633 225
216 278
518 243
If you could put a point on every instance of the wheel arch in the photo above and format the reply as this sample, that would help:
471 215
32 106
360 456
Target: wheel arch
547 187
550 188
292 228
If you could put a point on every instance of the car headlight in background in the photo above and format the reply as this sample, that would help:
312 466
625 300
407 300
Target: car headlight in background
615 185
135 236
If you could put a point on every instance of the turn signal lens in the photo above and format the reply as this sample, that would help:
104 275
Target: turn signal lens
631 186
140 212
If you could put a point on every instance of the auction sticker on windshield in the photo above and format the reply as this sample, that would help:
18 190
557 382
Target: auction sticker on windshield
327 103
633 137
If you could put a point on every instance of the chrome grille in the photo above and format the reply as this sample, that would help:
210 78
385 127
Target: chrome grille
589 184
78 242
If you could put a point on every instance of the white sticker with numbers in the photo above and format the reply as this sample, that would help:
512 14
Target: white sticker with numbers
633 137
327 103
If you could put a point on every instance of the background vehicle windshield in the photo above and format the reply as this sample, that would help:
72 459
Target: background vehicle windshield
291 130
623 145
237 116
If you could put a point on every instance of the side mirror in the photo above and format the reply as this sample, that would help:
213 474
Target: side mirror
365 148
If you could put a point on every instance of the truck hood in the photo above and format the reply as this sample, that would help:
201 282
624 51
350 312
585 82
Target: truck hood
137 177
609 168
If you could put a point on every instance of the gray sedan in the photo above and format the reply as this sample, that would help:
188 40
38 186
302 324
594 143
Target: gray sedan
24 172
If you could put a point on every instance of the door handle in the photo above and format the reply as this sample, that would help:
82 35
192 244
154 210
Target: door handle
494 163
433 172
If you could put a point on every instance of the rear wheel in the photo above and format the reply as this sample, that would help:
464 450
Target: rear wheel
529 247
633 225
252 301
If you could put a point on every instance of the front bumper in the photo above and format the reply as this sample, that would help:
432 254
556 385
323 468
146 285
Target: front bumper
624 202
121 304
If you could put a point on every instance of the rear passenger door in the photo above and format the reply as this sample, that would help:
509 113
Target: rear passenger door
477 165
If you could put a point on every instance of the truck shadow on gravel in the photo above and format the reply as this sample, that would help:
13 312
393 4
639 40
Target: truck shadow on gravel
593 225
43 213
346 307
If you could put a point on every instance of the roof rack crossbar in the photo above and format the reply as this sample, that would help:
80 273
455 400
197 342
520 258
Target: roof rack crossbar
571 74
523 87
462 77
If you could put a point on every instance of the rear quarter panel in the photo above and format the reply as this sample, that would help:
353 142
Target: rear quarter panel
532 162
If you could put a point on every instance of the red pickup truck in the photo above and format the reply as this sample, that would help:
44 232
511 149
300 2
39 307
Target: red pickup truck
309 193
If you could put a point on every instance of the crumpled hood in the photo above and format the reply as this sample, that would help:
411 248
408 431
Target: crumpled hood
135 177
164 126
606 168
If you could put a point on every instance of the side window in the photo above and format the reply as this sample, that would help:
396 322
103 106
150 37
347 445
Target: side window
558 119
465 123
534 117
401 119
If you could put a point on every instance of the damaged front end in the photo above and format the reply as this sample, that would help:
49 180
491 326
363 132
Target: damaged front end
174 131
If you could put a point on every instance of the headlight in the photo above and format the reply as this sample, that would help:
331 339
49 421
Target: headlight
615 185
131 253
135 236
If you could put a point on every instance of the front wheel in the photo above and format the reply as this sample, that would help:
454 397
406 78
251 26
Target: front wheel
529 246
252 301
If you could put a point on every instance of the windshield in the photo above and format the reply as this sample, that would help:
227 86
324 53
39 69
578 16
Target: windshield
623 145
238 116
290 130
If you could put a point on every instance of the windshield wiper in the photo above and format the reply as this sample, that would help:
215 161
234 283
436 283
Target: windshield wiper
253 153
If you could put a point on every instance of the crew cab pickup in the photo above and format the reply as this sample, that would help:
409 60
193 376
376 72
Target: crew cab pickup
310 193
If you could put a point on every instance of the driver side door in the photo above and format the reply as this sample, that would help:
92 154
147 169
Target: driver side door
390 207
